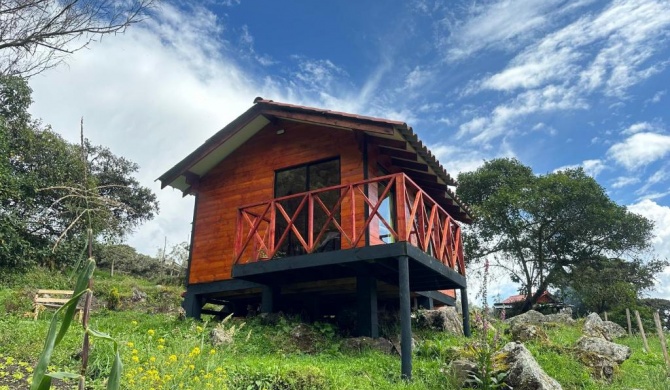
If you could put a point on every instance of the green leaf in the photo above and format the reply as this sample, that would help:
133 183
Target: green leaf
79 290
63 375
99 334
114 381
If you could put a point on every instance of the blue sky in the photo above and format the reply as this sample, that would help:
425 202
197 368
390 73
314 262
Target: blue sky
553 83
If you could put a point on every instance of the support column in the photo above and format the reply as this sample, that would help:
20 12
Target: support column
192 305
270 298
425 302
405 318
466 311
366 298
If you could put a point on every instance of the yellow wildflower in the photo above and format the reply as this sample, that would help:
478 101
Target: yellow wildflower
151 332
130 344
172 358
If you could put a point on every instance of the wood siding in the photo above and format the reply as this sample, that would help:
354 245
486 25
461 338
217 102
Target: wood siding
247 176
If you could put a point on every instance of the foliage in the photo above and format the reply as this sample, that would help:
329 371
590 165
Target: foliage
605 284
37 35
44 187
125 259
41 378
660 305
537 226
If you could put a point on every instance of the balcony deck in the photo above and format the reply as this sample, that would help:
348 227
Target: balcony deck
374 221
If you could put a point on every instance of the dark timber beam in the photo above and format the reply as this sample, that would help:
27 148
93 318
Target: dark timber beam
270 298
325 120
405 318
404 154
391 143
409 164
192 305
366 297
466 311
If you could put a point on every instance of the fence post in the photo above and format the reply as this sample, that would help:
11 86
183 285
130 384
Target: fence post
661 336
630 331
606 317
644 336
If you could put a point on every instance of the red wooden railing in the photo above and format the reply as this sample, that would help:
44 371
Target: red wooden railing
395 204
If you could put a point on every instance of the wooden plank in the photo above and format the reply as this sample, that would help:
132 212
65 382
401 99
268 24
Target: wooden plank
389 142
51 300
325 119
62 292
399 153
641 328
417 166
661 337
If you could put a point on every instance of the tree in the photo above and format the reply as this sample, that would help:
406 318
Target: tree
538 228
41 188
38 34
605 284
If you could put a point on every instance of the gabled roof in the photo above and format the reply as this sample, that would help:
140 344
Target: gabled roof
394 139
544 298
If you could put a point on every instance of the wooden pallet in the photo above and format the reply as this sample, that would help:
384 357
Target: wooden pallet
46 298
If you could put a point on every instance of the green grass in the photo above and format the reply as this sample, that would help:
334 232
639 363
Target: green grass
161 351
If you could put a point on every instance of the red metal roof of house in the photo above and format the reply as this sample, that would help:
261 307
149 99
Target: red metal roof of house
544 298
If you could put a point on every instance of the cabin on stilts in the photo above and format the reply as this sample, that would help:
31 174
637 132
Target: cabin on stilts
306 210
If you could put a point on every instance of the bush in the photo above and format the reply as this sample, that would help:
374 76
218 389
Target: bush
306 378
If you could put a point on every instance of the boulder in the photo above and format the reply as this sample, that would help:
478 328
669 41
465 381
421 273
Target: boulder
595 327
304 338
360 344
220 336
522 331
445 319
560 318
397 346
607 349
523 371
138 295
462 370
529 317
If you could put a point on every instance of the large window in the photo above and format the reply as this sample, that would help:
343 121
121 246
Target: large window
300 179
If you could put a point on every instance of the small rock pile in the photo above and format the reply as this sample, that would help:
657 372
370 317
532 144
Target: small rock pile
596 348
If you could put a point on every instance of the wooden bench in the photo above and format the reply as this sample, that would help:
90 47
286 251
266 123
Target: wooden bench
54 299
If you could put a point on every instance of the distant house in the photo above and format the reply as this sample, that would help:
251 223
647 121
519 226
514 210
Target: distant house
546 301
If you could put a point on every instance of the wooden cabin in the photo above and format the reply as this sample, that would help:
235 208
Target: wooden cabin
308 210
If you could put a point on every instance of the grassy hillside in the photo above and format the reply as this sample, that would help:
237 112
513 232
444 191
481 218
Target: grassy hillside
161 351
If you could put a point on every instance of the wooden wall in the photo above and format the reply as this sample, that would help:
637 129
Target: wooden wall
247 176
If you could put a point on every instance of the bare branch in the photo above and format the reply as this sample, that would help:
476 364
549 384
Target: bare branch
36 35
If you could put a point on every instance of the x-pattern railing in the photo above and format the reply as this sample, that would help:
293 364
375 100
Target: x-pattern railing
349 211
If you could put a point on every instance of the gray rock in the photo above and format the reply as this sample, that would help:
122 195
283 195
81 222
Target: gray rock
522 331
360 344
445 319
304 338
596 327
397 346
560 318
219 336
529 317
524 373
462 370
607 349
138 295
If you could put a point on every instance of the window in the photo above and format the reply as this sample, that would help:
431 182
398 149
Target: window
300 179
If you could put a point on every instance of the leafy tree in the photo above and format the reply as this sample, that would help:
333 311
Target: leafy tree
663 308
605 284
41 189
38 34
539 227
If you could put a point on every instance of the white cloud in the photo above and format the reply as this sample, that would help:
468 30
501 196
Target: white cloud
624 181
591 167
501 24
152 95
605 52
640 149
658 177
457 159
660 215
638 127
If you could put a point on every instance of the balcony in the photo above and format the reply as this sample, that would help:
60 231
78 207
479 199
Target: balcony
366 219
